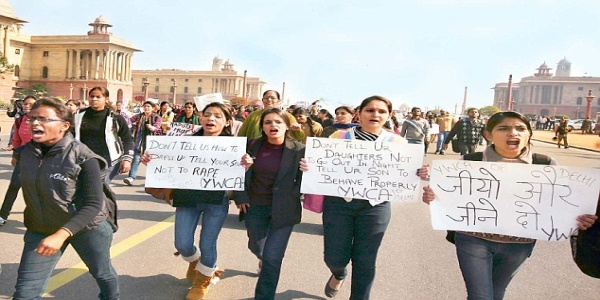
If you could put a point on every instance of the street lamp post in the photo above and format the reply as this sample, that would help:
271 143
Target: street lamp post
554 112
70 91
588 109
145 83
174 91
244 89
578 110
84 92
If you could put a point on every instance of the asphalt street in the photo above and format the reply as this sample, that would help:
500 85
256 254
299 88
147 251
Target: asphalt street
415 262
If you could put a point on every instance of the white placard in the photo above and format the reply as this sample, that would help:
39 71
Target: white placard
531 201
179 129
202 101
435 129
196 162
379 171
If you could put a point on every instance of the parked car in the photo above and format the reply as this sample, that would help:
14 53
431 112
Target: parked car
575 124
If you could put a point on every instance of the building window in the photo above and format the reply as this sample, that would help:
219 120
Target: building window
45 72
157 80
172 89
186 80
46 53
596 104
200 90
17 71
580 88
156 89
199 80
17 51
185 89
579 100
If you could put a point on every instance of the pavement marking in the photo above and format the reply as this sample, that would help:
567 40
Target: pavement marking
79 269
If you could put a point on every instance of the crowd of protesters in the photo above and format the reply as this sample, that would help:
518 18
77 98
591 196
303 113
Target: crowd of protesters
94 141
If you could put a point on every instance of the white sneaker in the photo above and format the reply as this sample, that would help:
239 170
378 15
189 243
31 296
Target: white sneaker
128 181
2 221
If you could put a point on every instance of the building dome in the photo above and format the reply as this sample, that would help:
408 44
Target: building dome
100 20
543 66
564 61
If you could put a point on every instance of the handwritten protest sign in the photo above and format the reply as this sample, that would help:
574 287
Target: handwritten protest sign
531 201
178 129
196 163
380 171
202 101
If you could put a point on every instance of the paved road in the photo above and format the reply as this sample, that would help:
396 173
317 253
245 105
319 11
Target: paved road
415 262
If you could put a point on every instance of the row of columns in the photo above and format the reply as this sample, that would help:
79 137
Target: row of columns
98 64
234 87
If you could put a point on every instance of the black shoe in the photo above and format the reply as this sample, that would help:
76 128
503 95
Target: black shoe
329 291
441 152
566 147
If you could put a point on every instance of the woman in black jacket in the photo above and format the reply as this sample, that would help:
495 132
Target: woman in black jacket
63 189
271 198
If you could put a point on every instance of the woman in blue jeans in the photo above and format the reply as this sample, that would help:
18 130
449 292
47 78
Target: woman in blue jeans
62 182
270 202
212 206
488 262
354 228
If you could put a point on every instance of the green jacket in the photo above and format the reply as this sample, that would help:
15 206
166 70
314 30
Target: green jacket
252 130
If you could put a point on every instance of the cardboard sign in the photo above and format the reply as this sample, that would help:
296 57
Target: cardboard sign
378 171
196 163
523 200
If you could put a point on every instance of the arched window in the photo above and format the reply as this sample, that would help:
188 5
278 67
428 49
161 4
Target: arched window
598 101
17 71
579 100
45 72
185 89
156 89
200 90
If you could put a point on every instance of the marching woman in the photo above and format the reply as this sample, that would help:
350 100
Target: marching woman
212 206
105 132
354 228
270 202
189 115
143 124
489 261
343 121
65 204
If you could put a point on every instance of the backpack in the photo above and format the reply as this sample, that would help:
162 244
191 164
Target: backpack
538 159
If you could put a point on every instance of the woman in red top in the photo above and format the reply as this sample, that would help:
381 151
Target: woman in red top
21 136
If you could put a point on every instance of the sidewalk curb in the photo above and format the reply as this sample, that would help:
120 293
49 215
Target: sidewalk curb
570 146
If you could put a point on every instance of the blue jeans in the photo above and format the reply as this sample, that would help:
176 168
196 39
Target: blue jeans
93 248
135 165
268 244
11 193
440 141
488 267
354 231
186 221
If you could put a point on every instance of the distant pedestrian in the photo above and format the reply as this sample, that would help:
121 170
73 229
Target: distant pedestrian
416 129
445 123
562 131
469 131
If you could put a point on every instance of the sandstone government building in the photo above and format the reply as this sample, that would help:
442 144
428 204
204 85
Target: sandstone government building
547 93
69 65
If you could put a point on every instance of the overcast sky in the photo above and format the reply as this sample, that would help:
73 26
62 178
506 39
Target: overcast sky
422 52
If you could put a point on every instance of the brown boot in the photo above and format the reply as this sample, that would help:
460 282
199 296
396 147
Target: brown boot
199 287
191 271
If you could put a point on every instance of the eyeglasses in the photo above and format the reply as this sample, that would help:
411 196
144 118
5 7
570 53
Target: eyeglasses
43 120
